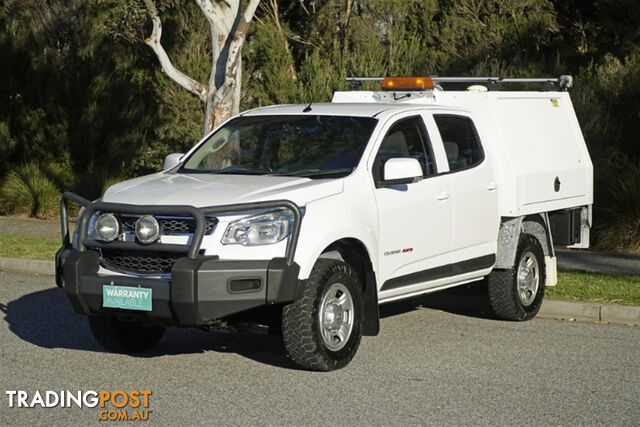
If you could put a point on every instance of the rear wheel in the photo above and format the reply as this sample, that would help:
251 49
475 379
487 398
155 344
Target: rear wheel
121 336
322 329
517 293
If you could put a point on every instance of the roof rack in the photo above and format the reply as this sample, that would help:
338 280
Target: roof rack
562 83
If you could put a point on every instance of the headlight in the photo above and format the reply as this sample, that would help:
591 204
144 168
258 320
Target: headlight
263 229
147 229
107 227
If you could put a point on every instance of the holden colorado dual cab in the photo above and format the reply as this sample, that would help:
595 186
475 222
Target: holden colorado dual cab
304 218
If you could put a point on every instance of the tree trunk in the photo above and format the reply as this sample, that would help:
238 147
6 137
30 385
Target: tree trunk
217 111
217 108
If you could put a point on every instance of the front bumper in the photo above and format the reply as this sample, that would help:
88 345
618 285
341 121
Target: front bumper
199 292
200 289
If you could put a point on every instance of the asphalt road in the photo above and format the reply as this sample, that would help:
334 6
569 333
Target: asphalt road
446 365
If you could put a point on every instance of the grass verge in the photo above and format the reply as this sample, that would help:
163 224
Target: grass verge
28 247
596 287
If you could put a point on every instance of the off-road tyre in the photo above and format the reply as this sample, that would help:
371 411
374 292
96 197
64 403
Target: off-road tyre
503 285
119 336
301 331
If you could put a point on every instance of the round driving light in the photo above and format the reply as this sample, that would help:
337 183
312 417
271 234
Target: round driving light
107 227
147 229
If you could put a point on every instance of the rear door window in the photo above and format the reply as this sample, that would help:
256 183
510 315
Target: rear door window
461 142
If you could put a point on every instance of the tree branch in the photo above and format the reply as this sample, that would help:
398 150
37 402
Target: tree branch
218 19
153 41
251 10
207 8
235 48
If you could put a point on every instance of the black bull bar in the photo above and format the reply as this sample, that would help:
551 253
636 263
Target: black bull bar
199 215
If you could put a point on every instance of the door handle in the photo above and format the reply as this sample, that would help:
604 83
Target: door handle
492 186
442 196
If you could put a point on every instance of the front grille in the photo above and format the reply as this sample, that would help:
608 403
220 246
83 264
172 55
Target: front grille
169 224
140 262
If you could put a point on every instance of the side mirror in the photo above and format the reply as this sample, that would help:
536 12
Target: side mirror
172 160
401 171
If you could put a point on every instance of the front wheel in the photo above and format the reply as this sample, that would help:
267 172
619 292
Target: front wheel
120 336
517 293
322 329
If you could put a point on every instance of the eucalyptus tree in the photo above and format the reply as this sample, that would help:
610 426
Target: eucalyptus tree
228 24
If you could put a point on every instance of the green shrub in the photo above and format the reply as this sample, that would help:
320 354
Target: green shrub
61 174
617 220
28 191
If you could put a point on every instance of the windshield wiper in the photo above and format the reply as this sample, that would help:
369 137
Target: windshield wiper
240 170
316 172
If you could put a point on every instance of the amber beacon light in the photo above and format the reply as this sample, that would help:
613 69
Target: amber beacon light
407 83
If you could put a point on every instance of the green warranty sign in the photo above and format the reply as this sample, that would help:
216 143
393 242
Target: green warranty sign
126 297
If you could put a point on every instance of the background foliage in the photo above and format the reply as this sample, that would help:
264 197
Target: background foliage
84 103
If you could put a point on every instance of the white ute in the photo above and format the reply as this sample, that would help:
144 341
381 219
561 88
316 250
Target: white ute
304 218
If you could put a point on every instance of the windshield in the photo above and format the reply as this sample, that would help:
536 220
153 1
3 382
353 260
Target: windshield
297 145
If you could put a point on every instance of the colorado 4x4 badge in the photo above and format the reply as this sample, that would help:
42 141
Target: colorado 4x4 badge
398 251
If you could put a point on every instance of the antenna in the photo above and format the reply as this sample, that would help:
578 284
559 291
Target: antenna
307 108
